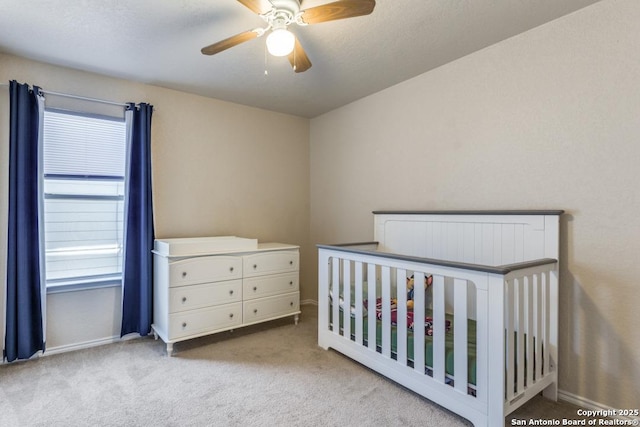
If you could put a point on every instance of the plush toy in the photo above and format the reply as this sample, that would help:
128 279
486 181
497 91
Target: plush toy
428 281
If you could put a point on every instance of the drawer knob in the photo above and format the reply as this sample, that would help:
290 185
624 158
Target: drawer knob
291 303
184 274
255 266
255 310
184 324
291 283
290 262
231 316
231 269
184 299
231 292
255 288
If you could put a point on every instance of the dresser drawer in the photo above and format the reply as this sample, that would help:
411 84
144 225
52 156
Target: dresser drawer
190 297
274 284
270 263
271 307
204 320
204 270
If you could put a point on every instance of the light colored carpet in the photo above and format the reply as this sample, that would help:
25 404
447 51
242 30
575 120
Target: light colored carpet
265 375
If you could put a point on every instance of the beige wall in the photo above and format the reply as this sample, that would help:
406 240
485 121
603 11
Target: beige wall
547 119
218 169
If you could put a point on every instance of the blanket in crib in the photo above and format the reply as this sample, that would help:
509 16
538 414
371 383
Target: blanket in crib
428 320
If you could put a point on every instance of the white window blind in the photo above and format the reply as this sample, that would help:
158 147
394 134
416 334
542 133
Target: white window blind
83 145
84 166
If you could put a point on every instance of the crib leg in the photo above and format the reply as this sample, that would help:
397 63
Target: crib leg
551 392
322 341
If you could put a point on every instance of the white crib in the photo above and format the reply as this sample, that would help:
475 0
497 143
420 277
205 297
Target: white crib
495 283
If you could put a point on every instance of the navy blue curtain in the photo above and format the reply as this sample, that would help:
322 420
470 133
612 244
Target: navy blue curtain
24 335
137 288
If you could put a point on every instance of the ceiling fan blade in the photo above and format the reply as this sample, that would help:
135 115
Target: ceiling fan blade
299 59
258 6
337 10
230 42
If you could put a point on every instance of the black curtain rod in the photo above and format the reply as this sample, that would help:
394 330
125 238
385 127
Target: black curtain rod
82 98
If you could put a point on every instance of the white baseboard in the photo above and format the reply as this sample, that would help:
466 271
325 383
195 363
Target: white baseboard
81 345
585 403
579 400
69 347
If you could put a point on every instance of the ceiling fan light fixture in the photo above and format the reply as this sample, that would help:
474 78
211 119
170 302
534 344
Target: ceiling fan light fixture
280 42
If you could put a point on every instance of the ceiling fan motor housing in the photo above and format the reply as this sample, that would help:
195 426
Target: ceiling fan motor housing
290 6
283 13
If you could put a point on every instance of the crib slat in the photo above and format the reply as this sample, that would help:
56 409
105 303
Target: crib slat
401 345
438 333
460 331
386 311
509 342
418 322
537 297
520 329
358 301
546 295
528 284
346 297
371 306
335 292
482 339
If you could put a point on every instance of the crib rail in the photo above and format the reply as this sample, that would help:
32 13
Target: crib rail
510 309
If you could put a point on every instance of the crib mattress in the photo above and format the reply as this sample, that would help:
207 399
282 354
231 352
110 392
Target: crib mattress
428 351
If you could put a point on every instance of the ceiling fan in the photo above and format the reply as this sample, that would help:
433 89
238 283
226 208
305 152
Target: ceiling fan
279 14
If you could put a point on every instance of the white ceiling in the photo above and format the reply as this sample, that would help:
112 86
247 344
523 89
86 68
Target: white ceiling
159 41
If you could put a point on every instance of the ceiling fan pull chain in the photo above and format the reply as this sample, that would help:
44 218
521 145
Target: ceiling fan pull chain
266 61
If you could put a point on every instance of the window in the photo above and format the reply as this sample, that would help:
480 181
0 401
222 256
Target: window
84 169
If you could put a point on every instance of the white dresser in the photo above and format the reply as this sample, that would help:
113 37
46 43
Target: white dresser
211 284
